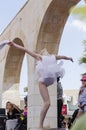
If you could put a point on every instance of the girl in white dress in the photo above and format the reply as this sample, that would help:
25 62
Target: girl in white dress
48 70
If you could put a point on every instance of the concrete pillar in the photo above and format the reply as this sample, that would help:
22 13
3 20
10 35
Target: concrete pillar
2 64
1 95
35 103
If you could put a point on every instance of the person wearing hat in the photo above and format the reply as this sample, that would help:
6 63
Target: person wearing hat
82 97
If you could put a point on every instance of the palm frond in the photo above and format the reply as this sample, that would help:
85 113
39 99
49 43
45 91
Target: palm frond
82 60
79 12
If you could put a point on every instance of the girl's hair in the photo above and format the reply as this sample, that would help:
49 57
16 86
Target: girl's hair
9 103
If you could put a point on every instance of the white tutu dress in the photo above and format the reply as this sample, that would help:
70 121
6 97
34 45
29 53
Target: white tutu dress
48 70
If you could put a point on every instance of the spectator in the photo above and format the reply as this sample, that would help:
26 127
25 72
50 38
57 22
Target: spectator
82 97
59 102
12 111
25 107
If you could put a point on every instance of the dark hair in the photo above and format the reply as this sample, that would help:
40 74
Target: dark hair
58 79
25 98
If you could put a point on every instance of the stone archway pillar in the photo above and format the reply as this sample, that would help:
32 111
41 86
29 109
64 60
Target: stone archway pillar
0 95
2 63
35 102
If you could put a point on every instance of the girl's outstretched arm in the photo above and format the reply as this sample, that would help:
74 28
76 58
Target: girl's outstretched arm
64 57
33 54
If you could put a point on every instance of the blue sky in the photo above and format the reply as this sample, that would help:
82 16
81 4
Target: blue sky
8 9
71 43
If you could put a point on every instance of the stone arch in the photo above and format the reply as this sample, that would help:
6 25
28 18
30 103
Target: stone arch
13 65
53 24
49 34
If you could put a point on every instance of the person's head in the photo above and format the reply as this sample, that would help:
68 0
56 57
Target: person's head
9 105
83 80
44 52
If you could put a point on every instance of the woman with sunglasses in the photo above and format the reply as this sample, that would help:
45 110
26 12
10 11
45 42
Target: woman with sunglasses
82 97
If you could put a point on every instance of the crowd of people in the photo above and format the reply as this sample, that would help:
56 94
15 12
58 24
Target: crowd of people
81 109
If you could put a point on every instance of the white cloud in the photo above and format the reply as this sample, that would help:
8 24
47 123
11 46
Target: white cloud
79 24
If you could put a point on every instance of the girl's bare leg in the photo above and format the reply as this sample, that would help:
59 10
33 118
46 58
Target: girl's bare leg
45 96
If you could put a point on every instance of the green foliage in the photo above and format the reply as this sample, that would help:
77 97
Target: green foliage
83 59
80 123
79 12
84 42
25 89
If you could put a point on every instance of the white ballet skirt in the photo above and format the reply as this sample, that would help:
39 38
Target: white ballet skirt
48 70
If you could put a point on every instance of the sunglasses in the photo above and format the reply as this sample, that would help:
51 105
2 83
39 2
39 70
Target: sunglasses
83 80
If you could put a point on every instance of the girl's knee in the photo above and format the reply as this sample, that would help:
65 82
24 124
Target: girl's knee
47 103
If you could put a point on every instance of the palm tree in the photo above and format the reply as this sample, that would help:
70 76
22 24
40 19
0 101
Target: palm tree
79 12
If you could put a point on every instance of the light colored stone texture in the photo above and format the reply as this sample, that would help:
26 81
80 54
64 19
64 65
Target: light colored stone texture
11 95
48 123
35 112
35 99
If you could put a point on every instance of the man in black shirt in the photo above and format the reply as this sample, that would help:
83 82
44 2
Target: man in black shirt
59 102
